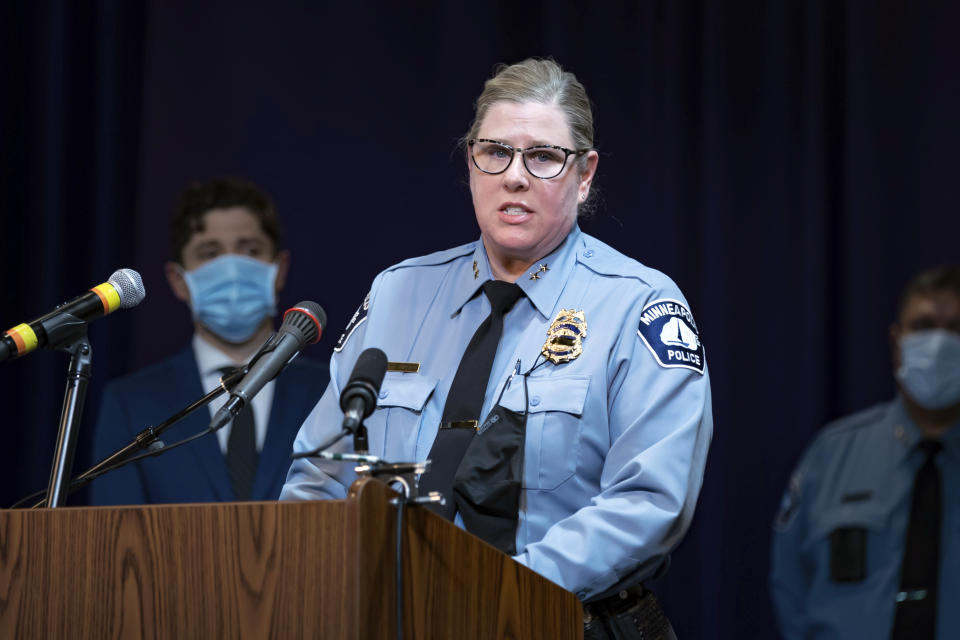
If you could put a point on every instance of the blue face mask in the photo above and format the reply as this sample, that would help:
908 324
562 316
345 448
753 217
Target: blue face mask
930 367
231 295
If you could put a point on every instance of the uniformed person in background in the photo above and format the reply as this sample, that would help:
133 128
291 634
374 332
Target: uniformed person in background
867 541
558 386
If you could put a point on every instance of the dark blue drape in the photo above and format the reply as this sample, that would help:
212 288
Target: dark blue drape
790 165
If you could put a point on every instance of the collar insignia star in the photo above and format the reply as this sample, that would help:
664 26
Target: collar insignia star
541 269
476 271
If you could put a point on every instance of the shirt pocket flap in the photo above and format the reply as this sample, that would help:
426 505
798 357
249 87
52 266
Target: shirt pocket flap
864 515
407 390
566 394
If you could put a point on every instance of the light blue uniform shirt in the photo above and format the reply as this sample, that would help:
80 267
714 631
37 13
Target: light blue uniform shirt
859 473
615 442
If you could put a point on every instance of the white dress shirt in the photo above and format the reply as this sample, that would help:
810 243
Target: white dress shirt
209 362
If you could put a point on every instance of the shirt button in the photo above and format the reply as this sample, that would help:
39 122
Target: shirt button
534 401
588 253
384 394
898 432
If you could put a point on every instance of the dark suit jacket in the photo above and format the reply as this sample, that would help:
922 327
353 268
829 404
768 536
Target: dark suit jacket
195 472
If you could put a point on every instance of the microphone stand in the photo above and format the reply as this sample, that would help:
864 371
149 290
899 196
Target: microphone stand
150 436
68 333
361 446
360 443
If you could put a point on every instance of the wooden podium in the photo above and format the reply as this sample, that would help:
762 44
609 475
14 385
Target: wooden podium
265 570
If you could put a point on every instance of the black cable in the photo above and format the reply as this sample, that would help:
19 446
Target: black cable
536 364
227 381
88 479
323 447
147 454
23 501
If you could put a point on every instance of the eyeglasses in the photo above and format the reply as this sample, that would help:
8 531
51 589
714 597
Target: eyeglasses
543 161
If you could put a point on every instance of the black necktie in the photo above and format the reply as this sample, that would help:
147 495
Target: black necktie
916 613
461 413
242 456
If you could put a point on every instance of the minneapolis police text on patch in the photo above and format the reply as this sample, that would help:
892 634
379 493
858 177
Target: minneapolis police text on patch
358 317
671 335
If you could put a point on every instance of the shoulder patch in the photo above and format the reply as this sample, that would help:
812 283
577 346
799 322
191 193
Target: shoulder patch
789 504
669 332
358 317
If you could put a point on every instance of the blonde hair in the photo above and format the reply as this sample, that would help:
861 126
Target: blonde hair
543 81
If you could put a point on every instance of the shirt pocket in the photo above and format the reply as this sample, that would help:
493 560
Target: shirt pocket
400 405
848 542
405 390
554 419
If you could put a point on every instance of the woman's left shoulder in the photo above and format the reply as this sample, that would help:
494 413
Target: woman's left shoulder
601 258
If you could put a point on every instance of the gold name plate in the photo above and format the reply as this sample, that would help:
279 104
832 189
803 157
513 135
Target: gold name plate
404 367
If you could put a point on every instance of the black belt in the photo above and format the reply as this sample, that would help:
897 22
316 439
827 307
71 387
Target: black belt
631 614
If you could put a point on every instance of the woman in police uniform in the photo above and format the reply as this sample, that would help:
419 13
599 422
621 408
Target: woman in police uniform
596 411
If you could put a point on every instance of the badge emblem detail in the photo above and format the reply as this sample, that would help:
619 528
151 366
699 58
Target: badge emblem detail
565 336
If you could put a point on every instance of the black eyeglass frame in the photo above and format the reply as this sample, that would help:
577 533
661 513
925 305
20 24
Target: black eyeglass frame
515 150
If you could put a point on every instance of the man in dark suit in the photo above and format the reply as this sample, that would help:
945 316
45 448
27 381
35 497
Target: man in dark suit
227 266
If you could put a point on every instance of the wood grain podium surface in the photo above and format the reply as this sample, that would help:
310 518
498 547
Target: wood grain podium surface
264 570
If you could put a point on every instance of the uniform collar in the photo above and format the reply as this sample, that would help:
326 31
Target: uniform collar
552 272
470 275
908 434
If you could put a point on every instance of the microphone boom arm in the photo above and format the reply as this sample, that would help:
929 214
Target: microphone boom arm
149 436
143 440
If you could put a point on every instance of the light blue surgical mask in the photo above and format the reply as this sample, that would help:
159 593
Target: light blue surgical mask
929 369
231 295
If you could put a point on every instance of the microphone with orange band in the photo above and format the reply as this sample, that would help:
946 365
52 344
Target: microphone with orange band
123 290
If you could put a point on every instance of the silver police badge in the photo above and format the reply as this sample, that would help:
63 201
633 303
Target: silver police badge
565 337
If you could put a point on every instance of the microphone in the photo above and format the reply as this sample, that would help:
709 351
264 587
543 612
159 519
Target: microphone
123 290
357 400
359 396
302 325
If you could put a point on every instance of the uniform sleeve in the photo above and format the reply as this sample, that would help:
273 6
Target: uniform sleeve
314 478
113 431
660 423
789 578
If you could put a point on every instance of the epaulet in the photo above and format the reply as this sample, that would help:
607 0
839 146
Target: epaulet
601 258
836 434
847 425
433 259
437 258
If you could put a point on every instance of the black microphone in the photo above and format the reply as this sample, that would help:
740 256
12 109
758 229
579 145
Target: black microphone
302 325
123 290
359 396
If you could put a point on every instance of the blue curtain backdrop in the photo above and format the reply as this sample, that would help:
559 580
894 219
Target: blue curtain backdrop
790 165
